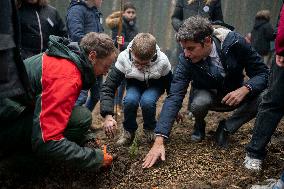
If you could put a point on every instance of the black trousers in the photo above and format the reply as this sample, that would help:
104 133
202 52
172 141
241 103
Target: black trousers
270 112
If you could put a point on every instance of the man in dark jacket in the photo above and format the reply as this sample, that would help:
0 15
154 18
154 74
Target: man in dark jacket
49 124
210 9
13 77
83 17
214 60
38 21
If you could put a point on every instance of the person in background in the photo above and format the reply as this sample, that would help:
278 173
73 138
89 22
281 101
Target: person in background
210 9
262 35
49 125
83 16
215 60
38 21
14 80
128 32
147 72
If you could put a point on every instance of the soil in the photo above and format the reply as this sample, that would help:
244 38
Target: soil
188 165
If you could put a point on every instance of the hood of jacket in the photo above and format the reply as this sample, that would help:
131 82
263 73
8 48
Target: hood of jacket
112 20
81 2
221 33
62 47
78 2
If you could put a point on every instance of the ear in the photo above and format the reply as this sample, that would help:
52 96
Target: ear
207 40
92 56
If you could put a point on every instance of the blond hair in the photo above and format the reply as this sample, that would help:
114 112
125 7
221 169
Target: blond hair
144 46
207 2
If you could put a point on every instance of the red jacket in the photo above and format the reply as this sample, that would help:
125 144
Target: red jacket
279 42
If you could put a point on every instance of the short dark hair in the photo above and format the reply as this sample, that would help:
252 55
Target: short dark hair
101 43
195 29
128 5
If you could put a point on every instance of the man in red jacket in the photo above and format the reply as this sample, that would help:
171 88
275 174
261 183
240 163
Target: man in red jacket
271 110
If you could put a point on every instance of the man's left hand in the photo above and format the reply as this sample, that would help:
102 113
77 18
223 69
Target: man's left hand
157 152
234 98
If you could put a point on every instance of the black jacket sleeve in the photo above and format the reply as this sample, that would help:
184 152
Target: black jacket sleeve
255 68
173 102
113 80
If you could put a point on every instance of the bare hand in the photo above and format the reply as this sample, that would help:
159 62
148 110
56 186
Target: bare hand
280 61
234 98
157 151
120 40
110 126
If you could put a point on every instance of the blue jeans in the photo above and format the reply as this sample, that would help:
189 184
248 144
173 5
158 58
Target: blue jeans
120 91
94 97
270 112
147 99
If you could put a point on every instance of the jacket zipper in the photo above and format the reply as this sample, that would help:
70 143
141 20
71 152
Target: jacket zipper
40 31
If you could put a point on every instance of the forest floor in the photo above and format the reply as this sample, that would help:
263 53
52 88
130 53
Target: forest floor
188 165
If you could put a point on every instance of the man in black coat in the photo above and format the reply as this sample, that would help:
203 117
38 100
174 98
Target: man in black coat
215 61
13 77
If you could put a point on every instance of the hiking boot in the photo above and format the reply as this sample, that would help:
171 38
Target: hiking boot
125 138
199 132
252 163
149 135
222 135
269 184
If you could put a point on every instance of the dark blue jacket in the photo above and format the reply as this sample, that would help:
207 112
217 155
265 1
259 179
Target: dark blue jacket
82 19
236 56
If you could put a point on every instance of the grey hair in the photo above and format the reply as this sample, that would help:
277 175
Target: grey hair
195 28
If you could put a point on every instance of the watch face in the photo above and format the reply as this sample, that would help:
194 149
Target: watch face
206 8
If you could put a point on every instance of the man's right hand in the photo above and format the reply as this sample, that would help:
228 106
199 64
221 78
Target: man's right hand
110 126
157 151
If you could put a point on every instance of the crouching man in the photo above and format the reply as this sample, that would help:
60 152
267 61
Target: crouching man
214 59
49 124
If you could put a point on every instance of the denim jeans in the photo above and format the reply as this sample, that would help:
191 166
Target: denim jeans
91 101
205 100
120 91
270 112
147 99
